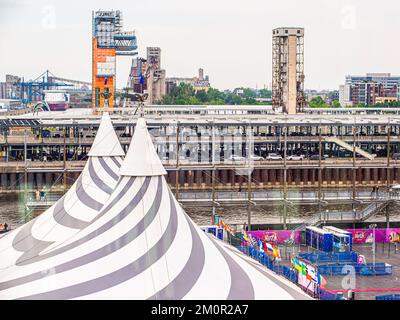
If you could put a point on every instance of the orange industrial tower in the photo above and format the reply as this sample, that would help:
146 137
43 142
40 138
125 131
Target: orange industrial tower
108 41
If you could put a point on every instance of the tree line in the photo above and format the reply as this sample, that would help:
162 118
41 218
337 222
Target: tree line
318 102
184 94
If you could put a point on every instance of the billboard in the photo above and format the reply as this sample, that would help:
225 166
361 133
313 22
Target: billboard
278 236
361 236
307 275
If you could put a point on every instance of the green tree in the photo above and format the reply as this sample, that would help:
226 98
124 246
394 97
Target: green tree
264 93
184 94
335 104
317 102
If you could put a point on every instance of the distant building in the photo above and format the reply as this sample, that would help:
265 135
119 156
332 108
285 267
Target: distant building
156 82
370 89
344 95
10 89
327 95
288 69
137 75
198 83
108 41
10 104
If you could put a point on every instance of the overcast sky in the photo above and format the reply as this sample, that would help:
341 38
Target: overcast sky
230 39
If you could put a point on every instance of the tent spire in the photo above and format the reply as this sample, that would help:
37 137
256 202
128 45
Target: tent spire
106 143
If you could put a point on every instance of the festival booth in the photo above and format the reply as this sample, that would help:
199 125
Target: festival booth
342 240
75 210
142 245
216 231
319 239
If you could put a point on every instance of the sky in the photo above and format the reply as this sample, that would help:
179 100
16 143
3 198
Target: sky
230 39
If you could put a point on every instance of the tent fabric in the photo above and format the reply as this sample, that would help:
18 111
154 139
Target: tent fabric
141 158
106 143
142 245
70 214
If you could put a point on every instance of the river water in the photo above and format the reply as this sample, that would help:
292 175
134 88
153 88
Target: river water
11 209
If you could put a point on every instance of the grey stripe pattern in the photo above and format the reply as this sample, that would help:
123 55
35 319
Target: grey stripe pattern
189 275
115 160
85 198
63 218
105 166
95 178
113 246
24 240
241 287
121 275
136 199
296 295
27 244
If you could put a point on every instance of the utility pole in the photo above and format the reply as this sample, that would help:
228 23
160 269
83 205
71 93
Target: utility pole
213 170
373 227
177 162
354 168
26 219
319 169
388 175
65 161
285 179
249 169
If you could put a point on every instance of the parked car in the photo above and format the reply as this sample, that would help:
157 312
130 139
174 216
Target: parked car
273 156
256 158
125 135
236 158
295 157
396 156
316 157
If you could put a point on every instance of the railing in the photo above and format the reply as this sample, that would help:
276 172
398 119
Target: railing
326 295
369 269
48 200
321 217
388 297
285 271
337 257
276 195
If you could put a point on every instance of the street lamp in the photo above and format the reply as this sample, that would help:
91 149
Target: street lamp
373 227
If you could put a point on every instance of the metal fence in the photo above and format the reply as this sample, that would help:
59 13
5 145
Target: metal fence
285 271
388 297
369 269
327 257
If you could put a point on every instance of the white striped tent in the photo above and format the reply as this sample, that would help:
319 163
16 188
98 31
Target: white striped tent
143 245
75 210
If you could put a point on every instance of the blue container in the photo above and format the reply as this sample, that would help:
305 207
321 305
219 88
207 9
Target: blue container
319 239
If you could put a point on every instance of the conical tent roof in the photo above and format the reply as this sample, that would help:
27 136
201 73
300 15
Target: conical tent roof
141 159
142 245
106 143
71 213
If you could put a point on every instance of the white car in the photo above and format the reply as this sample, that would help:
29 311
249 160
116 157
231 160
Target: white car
256 158
273 156
236 158
295 157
